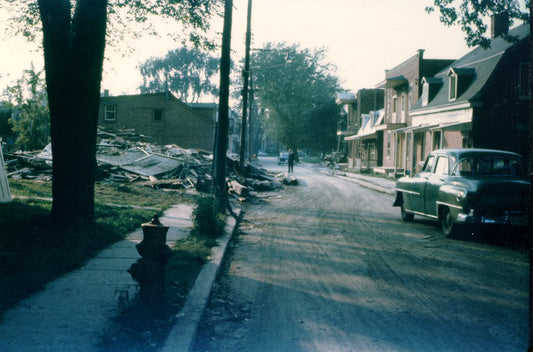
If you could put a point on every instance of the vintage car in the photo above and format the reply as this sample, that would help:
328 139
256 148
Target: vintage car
283 158
467 187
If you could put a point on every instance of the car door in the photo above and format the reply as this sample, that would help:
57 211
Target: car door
434 181
417 185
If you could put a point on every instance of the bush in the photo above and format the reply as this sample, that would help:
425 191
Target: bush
206 217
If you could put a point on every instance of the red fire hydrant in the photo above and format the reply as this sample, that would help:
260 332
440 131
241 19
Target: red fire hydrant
149 271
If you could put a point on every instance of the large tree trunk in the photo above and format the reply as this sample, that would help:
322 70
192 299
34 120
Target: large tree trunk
73 53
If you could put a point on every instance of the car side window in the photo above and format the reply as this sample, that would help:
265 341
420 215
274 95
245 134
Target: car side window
429 164
464 168
442 166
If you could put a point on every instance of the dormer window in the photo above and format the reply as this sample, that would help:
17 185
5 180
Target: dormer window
453 87
459 80
425 94
430 87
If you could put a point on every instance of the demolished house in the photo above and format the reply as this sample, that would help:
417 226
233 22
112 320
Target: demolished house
125 156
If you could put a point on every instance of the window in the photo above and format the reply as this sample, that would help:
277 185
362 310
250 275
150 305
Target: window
490 166
394 102
524 91
436 140
110 112
403 107
408 146
425 94
442 166
388 144
158 115
429 164
453 87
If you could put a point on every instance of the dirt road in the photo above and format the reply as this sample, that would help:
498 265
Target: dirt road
329 266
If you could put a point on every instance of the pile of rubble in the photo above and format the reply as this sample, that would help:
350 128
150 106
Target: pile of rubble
127 157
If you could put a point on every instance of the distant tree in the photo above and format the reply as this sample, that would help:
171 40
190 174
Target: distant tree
74 37
30 120
293 85
186 72
320 129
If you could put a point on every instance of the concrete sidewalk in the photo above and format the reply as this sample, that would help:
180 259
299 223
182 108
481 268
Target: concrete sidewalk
379 184
74 312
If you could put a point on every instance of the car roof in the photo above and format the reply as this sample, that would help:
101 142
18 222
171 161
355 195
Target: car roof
465 152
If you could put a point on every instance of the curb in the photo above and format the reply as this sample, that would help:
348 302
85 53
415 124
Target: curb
368 185
182 335
360 180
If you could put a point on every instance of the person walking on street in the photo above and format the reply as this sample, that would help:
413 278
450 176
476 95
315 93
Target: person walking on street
291 161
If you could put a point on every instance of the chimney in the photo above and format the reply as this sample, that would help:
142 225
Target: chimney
499 24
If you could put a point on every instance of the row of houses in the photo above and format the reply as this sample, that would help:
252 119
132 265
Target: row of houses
479 100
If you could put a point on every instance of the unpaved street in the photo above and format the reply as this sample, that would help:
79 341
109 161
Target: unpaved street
329 266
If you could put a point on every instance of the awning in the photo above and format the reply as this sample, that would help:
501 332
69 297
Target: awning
396 82
419 128
351 138
361 136
454 126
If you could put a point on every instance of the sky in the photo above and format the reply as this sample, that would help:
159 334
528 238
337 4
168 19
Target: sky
363 38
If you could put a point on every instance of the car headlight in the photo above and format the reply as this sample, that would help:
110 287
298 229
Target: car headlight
461 195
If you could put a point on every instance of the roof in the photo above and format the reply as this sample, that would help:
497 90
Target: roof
345 98
370 124
203 105
478 65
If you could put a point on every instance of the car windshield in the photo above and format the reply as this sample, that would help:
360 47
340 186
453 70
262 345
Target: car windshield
490 166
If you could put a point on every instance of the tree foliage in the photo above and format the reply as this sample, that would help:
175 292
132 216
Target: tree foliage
129 19
31 118
186 72
470 14
295 86
74 37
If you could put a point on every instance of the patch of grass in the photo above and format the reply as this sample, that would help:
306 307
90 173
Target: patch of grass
30 188
34 251
188 257
104 193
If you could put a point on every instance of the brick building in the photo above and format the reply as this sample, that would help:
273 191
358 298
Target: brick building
480 100
160 116
403 87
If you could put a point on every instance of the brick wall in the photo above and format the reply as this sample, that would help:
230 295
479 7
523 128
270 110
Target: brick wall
161 116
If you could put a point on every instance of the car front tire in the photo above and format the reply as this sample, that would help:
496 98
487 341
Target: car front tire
449 227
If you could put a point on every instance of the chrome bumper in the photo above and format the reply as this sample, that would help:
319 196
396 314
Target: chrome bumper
513 218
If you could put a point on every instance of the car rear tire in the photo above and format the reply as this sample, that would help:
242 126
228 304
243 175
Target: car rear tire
406 216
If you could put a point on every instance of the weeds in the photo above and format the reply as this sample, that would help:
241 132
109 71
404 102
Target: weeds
207 219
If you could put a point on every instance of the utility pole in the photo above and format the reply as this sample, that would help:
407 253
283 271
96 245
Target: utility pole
245 76
251 136
221 135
